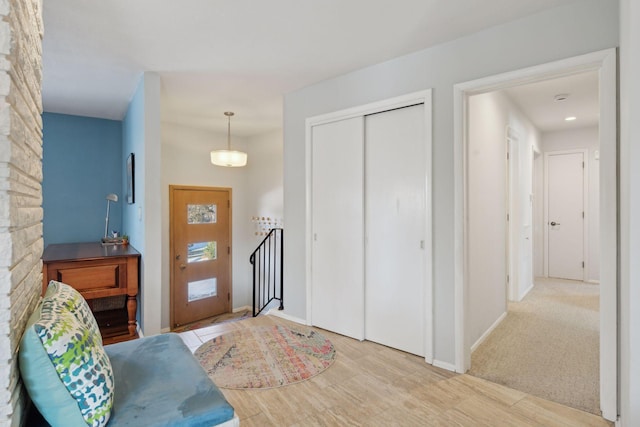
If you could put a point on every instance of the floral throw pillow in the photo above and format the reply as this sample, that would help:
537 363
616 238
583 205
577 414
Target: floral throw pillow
73 301
79 359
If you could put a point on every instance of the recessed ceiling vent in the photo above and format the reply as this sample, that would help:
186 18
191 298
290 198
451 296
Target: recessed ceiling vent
561 97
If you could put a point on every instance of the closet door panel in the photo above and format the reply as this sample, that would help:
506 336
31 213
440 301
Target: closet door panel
395 206
337 269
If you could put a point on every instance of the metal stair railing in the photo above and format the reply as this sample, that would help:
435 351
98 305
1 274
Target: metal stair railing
267 262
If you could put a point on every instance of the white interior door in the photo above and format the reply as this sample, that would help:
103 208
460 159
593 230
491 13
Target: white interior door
395 228
337 227
519 223
565 215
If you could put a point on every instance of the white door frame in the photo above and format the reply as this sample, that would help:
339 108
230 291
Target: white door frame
421 97
585 204
512 278
605 62
515 226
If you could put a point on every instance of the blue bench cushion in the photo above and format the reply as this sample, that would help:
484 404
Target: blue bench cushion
160 383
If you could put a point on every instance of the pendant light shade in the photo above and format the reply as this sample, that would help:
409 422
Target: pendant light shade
229 157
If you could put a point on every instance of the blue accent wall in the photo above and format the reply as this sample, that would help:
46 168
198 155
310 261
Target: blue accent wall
82 163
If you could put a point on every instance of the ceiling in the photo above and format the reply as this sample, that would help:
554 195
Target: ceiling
536 100
237 55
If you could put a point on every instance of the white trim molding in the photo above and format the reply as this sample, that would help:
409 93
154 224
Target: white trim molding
488 332
279 313
444 365
526 291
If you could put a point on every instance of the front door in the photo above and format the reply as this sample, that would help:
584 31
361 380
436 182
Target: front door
565 215
200 226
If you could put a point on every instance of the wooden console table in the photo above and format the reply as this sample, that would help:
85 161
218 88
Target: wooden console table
98 271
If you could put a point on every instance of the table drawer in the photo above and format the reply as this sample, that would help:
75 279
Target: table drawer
91 278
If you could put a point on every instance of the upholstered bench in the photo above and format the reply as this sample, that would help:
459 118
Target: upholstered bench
75 381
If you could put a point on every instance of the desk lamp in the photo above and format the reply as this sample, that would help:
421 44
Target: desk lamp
110 198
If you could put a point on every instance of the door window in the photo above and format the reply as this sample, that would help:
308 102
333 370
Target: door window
201 214
203 289
202 251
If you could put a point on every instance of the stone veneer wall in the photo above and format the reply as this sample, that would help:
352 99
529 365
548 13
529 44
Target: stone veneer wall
21 241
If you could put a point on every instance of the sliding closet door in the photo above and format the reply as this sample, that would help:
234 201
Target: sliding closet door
338 227
395 199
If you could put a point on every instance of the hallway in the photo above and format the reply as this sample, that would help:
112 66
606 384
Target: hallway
548 345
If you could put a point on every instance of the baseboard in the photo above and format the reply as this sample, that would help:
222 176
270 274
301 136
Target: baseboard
279 313
488 332
444 365
526 291
243 308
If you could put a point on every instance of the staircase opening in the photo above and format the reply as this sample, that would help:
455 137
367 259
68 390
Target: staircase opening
267 261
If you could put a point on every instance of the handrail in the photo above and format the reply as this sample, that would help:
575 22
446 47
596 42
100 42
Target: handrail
267 262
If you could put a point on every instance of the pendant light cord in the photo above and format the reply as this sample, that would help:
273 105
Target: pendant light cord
229 133
228 114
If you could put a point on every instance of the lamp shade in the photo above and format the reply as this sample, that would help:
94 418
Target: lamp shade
229 158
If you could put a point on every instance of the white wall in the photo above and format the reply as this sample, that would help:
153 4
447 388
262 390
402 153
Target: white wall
570 30
256 190
629 212
141 220
584 138
265 178
486 212
489 115
264 191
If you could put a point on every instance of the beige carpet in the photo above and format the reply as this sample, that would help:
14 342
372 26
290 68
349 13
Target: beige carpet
548 345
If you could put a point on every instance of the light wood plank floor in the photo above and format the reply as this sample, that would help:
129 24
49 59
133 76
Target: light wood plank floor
373 385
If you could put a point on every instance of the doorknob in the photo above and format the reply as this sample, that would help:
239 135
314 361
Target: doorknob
183 266
553 223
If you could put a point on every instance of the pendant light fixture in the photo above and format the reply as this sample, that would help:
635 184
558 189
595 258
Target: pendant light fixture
229 157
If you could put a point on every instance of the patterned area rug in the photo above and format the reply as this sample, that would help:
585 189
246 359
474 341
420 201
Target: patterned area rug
265 356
